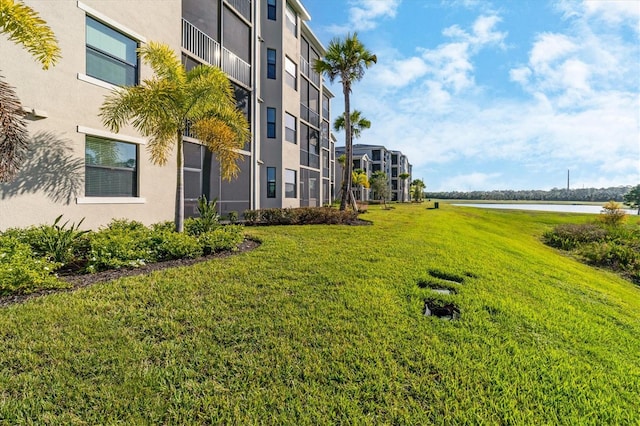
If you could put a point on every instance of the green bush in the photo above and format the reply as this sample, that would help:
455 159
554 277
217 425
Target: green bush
21 272
59 243
251 216
169 245
222 238
611 254
208 213
121 244
300 216
569 236
233 217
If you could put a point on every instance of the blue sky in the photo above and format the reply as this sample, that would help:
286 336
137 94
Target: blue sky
485 95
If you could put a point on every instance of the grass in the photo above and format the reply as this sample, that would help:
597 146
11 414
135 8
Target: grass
325 325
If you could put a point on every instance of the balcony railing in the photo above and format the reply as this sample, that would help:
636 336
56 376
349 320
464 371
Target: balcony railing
309 115
209 50
235 67
309 72
243 7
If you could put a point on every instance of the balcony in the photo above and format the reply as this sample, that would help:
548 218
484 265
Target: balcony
209 51
243 7
309 72
309 115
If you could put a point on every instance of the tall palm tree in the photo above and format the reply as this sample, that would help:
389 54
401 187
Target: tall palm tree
24 26
162 107
358 123
346 59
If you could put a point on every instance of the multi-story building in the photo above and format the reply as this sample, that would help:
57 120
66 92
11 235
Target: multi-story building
295 106
77 168
373 158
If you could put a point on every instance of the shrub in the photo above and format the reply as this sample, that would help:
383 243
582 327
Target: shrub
222 238
21 272
251 216
168 245
612 214
300 216
570 236
121 244
612 255
58 243
208 213
233 217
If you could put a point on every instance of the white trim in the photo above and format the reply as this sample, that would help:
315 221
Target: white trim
96 81
110 200
110 22
109 135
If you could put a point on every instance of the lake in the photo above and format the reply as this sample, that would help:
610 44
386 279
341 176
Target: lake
563 208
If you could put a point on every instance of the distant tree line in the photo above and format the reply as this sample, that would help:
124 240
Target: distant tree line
556 194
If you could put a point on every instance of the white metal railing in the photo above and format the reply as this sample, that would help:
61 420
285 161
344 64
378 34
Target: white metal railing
235 67
204 47
243 7
309 72
200 44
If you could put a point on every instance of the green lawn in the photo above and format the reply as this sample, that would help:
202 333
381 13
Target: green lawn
325 325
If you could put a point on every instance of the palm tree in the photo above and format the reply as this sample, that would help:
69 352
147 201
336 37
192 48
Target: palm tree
161 108
403 177
360 179
358 123
24 26
346 59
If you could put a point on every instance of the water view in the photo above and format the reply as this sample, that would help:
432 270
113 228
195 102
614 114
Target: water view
563 208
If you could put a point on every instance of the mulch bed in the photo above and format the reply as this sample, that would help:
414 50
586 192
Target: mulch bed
83 280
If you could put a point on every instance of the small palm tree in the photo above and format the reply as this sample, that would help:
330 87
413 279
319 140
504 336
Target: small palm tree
403 178
358 123
161 108
360 179
24 26
346 59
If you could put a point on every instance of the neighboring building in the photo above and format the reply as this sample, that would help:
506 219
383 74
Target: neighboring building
373 158
79 169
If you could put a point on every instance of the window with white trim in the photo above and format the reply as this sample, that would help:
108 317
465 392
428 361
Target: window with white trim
110 55
291 73
111 168
290 133
290 183
291 19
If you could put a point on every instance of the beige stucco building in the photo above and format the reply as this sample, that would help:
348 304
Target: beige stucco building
77 168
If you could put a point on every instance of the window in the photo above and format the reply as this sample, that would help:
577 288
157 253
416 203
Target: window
271 122
375 155
271 182
192 171
110 168
394 172
110 55
271 10
290 183
375 167
394 158
271 64
291 20
291 69
290 128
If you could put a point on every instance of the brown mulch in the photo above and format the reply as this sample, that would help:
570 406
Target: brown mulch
78 281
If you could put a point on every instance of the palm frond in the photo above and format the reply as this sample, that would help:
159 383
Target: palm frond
224 142
13 132
24 26
163 61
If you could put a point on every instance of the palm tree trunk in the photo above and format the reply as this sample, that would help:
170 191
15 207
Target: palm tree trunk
179 218
346 184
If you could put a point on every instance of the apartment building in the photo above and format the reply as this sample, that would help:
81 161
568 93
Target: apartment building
373 158
77 168
298 165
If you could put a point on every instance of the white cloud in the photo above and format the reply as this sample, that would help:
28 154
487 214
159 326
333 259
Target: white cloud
471 181
364 14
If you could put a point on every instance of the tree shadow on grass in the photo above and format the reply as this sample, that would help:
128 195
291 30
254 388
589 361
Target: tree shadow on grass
50 167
